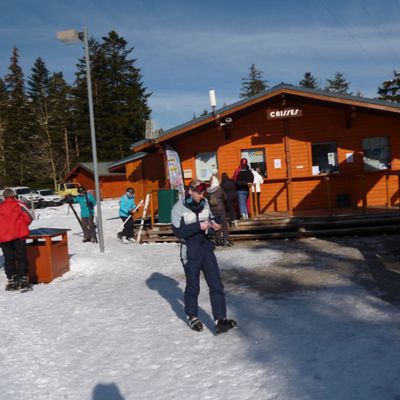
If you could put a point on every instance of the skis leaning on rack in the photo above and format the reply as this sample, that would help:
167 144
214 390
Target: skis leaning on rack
146 206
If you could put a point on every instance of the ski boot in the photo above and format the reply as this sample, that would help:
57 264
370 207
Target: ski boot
223 325
24 284
195 324
12 284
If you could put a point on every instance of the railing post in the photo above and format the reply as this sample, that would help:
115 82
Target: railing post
289 195
250 185
387 190
327 179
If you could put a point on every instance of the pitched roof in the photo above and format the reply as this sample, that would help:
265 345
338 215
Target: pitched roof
264 95
102 169
123 161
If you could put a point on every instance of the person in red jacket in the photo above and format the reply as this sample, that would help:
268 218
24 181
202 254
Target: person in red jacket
15 219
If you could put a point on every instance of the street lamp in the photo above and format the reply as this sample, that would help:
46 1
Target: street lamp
72 36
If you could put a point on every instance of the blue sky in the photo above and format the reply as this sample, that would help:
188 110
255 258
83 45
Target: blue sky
185 48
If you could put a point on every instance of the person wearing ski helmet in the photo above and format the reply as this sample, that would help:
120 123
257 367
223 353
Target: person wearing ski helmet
126 207
191 220
87 203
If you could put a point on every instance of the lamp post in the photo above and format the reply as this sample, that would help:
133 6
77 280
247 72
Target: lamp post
72 36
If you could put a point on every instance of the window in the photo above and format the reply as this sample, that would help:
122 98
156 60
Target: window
324 158
256 158
376 153
205 164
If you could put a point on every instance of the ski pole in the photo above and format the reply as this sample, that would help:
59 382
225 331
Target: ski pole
76 215
130 216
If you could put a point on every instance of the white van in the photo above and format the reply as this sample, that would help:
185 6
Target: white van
26 195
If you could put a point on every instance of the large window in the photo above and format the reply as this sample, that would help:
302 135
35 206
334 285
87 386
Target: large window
324 158
376 153
256 158
205 163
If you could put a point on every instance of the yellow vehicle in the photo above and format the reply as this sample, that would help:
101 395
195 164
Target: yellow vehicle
66 188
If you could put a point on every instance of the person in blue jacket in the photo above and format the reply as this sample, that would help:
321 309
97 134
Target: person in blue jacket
126 207
193 223
86 202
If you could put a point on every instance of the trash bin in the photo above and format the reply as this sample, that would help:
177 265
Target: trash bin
47 251
166 200
343 201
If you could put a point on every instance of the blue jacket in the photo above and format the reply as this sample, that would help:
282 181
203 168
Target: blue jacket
126 205
86 211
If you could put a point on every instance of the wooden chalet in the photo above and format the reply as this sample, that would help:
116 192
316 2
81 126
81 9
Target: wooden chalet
112 184
318 150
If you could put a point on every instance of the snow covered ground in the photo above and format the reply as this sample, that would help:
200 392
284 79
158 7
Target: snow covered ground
113 328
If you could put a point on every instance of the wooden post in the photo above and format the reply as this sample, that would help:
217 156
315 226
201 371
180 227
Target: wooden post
327 179
288 167
151 210
387 191
363 194
251 200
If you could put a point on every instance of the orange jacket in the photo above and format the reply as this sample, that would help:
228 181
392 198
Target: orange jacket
15 219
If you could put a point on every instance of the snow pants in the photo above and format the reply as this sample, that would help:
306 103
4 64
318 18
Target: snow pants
129 227
89 230
202 259
15 258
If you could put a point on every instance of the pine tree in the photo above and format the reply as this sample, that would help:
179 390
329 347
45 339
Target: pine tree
50 109
254 83
390 90
309 81
119 97
338 84
3 127
17 143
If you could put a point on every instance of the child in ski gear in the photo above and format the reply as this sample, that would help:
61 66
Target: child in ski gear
86 202
126 207
191 218
257 182
15 219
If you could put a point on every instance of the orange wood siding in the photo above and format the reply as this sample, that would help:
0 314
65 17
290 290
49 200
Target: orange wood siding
320 123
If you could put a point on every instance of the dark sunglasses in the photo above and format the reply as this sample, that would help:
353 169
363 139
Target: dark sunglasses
200 188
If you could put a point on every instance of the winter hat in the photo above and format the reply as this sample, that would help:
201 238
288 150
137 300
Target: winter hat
243 161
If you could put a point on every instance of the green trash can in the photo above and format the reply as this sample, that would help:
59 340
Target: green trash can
166 200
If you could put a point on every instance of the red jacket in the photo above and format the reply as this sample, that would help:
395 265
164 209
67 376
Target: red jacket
15 219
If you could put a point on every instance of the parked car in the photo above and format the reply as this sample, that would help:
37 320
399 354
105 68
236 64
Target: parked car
50 198
26 195
66 188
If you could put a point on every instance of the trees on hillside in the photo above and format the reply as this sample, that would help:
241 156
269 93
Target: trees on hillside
50 117
119 97
44 122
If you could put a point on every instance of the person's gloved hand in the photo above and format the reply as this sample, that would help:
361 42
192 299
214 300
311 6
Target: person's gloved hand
69 198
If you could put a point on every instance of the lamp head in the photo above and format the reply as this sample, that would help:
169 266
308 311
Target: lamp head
70 36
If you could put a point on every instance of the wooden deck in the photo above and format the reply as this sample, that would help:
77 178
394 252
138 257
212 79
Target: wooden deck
315 223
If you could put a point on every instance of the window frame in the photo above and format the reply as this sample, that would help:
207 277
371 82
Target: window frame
197 160
389 154
264 171
335 170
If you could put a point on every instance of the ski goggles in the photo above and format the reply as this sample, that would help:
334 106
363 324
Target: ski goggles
200 188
